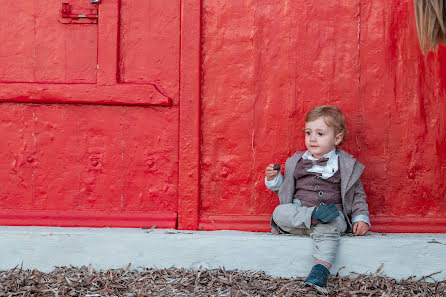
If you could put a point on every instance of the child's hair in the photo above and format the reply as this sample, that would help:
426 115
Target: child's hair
332 116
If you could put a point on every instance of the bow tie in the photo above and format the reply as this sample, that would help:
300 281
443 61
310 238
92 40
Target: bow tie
309 163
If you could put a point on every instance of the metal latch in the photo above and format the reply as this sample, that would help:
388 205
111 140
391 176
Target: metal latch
85 16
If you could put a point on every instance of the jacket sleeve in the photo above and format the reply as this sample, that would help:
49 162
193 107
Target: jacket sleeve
274 185
360 209
286 190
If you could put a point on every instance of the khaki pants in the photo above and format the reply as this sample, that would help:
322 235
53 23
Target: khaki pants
296 219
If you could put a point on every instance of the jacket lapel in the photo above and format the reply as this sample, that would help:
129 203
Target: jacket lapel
292 165
297 156
346 167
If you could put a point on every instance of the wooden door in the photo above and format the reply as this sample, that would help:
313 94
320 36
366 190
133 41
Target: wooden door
91 111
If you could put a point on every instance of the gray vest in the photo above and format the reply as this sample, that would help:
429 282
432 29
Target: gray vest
312 190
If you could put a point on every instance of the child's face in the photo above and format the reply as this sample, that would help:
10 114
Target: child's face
320 139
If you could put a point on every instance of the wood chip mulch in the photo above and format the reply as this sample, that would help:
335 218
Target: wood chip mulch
85 281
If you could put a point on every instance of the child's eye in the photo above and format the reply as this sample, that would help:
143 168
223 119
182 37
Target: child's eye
307 133
320 134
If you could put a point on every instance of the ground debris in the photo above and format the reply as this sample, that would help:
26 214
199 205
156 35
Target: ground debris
85 281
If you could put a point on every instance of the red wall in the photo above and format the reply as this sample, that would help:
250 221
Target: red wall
191 101
265 64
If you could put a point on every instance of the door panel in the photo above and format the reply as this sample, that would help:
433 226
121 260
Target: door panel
150 160
149 53
17 156
75 62
38 48
56 150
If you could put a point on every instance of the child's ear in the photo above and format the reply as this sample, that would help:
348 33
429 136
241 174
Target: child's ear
339 138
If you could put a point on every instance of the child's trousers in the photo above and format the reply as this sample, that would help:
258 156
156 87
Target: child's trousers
296 219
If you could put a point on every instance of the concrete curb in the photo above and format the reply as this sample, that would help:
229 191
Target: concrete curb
42 248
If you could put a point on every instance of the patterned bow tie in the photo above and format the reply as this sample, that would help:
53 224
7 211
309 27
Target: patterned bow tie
309 163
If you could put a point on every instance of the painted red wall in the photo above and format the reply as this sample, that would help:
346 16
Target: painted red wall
167 113
265 64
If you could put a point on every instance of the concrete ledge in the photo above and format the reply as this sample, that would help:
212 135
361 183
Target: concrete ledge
42 248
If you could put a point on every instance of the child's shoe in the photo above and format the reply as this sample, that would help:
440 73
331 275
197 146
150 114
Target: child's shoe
318 276
325 213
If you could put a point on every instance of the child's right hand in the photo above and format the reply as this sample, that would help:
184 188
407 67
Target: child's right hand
270 172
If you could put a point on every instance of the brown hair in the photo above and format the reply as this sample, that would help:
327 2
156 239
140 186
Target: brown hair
430 16
332 116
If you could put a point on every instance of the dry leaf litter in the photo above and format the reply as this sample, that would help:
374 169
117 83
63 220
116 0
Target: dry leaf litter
85 281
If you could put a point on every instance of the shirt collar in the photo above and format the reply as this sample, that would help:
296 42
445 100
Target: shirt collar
307 155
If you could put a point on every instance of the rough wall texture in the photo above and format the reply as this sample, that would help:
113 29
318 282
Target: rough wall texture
264 64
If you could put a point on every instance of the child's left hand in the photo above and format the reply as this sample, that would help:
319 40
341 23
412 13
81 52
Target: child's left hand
360 228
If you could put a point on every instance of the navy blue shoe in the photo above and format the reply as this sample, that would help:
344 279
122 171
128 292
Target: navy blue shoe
318 276
325 213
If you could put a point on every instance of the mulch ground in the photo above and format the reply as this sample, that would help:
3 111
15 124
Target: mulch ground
84 281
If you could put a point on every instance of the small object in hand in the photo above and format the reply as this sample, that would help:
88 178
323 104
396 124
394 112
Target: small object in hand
276 167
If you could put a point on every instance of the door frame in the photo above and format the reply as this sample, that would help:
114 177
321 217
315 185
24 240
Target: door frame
189 116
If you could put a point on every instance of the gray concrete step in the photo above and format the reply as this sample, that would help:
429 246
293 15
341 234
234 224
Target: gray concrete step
42 248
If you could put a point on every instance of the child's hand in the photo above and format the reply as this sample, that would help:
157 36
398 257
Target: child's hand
270 172
360 228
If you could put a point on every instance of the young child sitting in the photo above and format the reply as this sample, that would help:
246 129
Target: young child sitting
321 193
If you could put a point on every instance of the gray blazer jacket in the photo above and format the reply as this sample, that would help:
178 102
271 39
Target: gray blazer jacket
352 193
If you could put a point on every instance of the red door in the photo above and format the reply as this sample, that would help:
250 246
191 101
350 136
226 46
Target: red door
90 111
